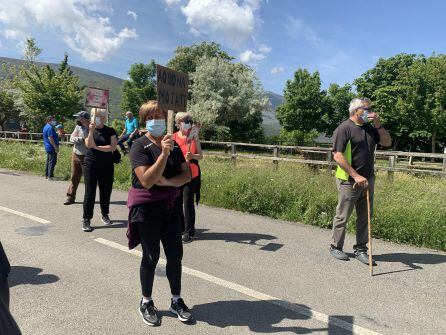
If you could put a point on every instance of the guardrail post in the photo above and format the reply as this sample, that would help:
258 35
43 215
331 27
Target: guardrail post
276 155
233 153
390 173
444 165
329 159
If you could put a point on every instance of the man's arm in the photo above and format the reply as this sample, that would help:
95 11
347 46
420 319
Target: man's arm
53 143
75 137
384 137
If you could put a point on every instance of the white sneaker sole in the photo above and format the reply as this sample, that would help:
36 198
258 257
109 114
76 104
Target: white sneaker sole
146 322
179 317
105 223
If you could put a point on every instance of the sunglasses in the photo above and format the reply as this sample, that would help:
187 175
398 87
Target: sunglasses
188 121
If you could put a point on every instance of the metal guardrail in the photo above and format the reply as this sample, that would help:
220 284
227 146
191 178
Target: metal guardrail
313 156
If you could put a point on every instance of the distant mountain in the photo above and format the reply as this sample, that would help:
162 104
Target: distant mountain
88 78
271 125
101 80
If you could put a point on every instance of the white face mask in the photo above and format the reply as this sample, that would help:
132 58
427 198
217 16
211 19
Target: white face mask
97 120
53 123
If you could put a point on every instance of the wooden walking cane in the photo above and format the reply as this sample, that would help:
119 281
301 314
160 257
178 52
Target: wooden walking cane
369 223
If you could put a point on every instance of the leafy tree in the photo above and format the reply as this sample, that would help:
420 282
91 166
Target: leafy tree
140 87
423 87
335 106
46 91
8 108
384 74
228 100
187 58
302 109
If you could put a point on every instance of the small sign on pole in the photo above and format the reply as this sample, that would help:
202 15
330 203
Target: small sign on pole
97 97
172 89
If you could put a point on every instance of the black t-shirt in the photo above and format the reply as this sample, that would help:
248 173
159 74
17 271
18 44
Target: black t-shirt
363 139
101 137
144 152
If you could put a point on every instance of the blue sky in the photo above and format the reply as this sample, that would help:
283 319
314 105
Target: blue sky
339 38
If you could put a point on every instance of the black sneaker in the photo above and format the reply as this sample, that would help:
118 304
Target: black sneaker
187 238
149 314
338 254
180 309
363 257
69 201
86 225
106 220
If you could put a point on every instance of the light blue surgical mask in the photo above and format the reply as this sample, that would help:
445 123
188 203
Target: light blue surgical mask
156 127
53 123
365 117
186 126
97 121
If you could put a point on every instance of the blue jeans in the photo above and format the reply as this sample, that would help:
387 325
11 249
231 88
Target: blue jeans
51 160
125 138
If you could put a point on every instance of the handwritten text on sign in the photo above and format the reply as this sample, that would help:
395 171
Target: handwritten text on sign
172 87
96 97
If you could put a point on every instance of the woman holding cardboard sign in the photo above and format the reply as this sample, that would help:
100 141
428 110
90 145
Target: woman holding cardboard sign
187 139
158 172
98 166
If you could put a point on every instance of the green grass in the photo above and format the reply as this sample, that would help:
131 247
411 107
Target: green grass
408 210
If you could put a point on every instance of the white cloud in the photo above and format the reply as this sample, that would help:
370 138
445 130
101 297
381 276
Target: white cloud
81 24
277 70
232 20
249 56
297 29
172 2
263 48
13 34
132 14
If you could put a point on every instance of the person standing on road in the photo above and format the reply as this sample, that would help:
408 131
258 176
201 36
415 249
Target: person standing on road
354 143
158 172
129 133
51 143
98 167
191 149
77 137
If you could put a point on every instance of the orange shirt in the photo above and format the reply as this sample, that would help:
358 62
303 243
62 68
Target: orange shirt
182 142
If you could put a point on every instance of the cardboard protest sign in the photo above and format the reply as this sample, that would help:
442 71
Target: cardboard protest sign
97 97
172 89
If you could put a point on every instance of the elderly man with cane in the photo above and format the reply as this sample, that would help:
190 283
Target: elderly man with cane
354 145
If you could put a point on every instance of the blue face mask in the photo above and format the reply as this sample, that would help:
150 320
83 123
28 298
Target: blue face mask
156 127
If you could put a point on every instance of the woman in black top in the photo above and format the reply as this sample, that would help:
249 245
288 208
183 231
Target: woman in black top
158 171
98 166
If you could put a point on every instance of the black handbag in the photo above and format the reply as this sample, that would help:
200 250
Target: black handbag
116 156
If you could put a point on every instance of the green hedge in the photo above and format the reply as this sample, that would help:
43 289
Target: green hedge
408 210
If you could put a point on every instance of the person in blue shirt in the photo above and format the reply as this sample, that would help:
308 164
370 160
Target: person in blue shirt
51 143
129 133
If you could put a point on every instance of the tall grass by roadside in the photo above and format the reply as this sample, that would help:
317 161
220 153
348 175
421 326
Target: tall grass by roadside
408 210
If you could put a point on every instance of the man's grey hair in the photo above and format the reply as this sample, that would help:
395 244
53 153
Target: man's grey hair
357 103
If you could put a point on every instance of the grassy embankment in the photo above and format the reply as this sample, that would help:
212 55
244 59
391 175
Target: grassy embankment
408 210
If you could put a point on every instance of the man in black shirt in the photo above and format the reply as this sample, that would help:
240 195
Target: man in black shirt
353 149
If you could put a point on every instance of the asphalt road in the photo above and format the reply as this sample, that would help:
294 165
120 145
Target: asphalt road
245 274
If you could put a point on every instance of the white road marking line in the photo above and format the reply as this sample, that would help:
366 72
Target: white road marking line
28 216
254 294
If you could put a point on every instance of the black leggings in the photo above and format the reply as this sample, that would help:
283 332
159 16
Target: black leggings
160 225
188 198
94 175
